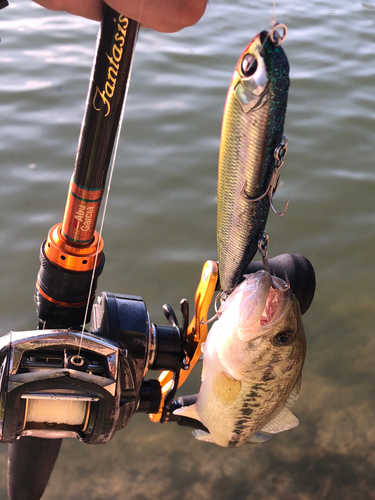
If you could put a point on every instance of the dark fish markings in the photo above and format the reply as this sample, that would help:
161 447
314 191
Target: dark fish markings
268 375
250 403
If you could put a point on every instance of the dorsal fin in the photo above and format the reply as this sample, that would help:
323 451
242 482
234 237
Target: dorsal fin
294 395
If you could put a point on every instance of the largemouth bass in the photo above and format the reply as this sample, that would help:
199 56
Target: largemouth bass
252 365
252 131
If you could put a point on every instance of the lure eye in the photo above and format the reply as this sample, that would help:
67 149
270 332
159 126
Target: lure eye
249 65
284 338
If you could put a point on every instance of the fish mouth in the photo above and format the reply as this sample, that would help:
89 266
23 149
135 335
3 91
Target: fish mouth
276 303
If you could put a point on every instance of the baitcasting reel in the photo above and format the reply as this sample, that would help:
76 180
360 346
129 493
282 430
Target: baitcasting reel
62 383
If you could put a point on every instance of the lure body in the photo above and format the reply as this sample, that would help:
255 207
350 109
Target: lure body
252 128
252 365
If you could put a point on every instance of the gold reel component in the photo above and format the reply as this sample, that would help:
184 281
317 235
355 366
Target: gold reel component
196 334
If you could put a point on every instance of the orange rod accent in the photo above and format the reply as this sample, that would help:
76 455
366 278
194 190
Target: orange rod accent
81 213
71 257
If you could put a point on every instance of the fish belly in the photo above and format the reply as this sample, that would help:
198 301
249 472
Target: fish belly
233 411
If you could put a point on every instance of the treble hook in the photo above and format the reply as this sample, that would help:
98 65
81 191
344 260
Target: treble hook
223 297
262 249
279 155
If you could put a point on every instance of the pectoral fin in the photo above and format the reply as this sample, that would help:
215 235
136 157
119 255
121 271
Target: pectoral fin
260 437
283 421
188 411
203 436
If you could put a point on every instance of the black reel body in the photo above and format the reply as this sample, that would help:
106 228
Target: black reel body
65 383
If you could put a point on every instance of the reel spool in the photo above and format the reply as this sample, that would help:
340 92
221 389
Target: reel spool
42 395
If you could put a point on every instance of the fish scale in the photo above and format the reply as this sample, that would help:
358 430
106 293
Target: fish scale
250 133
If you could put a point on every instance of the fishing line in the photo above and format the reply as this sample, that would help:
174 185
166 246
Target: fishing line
273 19
278 39
111 169
113 158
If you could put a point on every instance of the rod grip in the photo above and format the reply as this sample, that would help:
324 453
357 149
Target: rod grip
30 464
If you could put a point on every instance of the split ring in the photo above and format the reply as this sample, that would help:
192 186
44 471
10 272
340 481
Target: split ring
275 36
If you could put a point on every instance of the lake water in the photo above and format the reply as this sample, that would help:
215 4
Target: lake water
161 227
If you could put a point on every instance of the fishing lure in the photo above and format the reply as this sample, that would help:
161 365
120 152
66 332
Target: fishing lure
252 151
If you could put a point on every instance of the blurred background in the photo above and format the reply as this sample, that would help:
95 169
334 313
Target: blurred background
161 228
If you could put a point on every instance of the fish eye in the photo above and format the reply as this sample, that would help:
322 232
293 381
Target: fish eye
249 65
284 338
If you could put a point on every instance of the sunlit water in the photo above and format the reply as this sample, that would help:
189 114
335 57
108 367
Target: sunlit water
161 227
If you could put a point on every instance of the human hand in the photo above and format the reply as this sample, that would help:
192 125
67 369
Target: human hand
161 15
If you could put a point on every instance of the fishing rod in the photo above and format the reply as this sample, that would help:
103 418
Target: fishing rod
66 379
72 256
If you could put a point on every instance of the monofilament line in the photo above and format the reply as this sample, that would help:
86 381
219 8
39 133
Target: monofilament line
273 18
111 169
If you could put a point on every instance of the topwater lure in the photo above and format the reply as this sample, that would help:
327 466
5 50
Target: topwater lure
252 150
